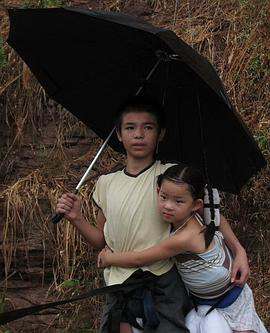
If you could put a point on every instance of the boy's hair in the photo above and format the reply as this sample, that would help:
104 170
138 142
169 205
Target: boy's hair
193 178
141 104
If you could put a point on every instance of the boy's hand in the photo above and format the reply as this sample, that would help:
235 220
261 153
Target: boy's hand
240 269
70 205
103 257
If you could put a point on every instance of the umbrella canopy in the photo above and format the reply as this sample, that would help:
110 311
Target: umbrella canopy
92 62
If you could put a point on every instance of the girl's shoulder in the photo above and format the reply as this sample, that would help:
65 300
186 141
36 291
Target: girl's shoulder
192 237
188 237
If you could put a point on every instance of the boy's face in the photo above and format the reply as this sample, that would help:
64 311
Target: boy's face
139 134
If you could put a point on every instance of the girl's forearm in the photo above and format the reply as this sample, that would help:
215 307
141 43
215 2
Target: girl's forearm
229 236
125 259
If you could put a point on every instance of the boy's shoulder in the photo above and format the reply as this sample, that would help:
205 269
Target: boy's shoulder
163 166
117 172
105 177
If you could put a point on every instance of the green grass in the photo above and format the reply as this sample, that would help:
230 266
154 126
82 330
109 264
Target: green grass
3 59
43 3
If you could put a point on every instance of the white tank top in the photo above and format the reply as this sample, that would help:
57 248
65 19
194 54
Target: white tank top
208 274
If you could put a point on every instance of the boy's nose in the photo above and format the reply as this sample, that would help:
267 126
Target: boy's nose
139 133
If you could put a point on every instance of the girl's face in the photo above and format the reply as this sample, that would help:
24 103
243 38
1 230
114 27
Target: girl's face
139 134
175 202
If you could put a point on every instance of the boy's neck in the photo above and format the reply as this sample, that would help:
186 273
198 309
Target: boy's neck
135 166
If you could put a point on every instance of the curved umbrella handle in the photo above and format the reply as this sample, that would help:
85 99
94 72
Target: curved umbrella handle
57 218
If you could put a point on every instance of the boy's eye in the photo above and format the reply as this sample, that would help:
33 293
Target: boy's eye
129 128
148 127
162 197
179 201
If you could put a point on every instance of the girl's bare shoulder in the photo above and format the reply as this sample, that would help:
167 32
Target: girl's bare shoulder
192 238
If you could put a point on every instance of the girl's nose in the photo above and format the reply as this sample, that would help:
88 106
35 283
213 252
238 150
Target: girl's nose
167 205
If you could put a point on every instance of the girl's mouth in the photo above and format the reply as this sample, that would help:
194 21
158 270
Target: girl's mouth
167 215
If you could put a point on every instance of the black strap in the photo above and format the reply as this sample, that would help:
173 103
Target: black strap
207 205
9 316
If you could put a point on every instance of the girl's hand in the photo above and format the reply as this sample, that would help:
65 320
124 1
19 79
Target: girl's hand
103 257
70 205
240 269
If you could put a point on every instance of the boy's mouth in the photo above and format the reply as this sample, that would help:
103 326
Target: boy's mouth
139 145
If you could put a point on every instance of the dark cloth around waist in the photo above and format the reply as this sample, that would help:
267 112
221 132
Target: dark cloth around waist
162 303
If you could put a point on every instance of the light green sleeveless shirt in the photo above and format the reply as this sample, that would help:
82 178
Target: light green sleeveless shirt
133 222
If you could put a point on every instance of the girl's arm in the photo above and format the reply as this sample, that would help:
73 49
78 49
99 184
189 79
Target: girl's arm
164 250
240 269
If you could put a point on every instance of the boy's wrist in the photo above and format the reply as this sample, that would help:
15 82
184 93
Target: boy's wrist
78 220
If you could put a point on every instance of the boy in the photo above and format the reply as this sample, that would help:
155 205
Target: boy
128 220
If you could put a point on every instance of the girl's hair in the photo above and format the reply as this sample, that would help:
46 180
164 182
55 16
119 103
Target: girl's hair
193 178
141 104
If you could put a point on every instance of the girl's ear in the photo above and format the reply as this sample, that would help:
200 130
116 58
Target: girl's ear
198 205
119 135
158 189
161 134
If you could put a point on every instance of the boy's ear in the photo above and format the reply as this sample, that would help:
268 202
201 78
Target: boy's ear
161 134
119 135
158 189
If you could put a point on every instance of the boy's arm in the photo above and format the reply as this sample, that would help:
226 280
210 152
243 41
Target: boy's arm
70 205
240 269
93 235
166 249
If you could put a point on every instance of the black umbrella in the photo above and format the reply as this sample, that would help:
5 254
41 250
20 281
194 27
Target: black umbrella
92 62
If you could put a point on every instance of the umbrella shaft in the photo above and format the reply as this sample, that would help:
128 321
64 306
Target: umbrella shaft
94 160
148 76
109 136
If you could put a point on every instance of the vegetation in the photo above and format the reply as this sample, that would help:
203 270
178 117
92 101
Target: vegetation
3 60
44 150
43 3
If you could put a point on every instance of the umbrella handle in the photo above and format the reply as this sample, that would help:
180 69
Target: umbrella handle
57 218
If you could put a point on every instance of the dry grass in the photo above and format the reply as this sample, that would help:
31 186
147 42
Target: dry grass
234 36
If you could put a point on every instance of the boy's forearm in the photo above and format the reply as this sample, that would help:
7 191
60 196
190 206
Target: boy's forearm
229 236
92 234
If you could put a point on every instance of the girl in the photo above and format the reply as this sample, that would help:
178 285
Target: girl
201 256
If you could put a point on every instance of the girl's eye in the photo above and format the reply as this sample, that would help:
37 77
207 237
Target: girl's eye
129 128
179 201
162 197
148 127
